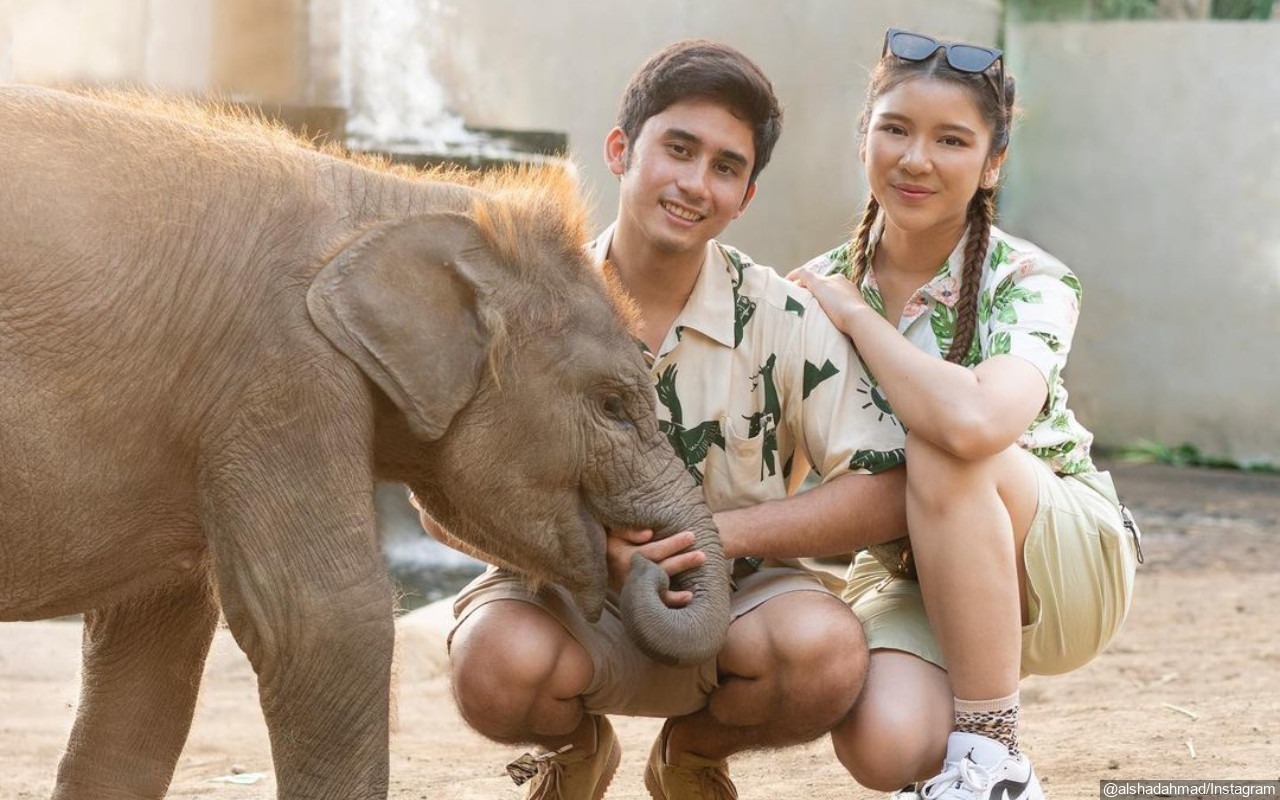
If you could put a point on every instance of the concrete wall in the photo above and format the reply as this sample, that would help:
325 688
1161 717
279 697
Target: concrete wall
154 42
563 66
1148 160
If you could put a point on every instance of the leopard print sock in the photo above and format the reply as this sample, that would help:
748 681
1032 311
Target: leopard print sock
995 719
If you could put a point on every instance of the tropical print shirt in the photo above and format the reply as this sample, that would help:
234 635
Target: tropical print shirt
1028 304
753 379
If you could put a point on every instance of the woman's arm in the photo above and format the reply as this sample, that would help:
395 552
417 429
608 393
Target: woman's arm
971 414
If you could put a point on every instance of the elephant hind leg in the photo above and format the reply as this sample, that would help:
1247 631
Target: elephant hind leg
142 661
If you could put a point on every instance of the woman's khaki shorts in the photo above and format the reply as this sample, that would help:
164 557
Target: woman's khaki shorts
626 681
1080 563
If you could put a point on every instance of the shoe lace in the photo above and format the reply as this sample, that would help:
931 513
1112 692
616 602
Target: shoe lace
530 765
719 785
961 778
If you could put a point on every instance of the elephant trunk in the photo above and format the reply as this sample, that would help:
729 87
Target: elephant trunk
696 632
679 636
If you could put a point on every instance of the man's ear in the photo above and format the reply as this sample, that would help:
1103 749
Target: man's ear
746 199
615 151
991 175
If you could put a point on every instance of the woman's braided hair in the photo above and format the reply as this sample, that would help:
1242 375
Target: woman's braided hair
890 73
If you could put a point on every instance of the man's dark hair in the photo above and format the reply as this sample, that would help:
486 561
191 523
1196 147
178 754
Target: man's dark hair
698 68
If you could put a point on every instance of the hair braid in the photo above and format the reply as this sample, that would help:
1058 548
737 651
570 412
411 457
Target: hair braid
860 258
982 211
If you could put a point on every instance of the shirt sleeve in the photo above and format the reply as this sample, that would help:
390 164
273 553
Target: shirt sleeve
841 422
1029 310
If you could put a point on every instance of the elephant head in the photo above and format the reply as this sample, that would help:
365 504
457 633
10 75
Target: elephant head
517 407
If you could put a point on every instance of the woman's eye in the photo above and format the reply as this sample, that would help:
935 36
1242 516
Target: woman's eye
952 141
896 130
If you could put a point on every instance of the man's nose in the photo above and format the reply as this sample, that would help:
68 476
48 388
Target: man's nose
692 180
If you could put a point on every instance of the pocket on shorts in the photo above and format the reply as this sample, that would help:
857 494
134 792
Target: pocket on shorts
747 471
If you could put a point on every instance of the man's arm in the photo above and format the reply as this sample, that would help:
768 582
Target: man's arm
844 514
830 405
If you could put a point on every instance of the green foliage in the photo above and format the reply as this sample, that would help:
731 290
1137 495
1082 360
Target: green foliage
1075 10
1242 9
1146 451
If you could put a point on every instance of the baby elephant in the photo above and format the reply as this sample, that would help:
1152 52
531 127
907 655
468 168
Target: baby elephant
215 339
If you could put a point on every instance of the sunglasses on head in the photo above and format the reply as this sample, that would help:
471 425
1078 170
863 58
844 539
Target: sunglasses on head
962 57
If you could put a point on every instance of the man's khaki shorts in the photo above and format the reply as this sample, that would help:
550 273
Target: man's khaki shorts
1080 567
626 681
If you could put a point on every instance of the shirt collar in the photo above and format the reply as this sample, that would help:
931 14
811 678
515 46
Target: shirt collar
710 307
944 286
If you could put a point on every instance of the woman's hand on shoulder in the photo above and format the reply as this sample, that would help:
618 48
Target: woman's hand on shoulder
837 295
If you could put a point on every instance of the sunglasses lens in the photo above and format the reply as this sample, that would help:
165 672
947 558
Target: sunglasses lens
911 46
967 58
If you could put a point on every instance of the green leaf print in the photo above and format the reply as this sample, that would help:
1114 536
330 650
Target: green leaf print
984 308
1008 293
1000 343
943 322
999 256
841 261
872 295
1071 281
814 375
877 460
1061 422
1056 452
1049 339
794 306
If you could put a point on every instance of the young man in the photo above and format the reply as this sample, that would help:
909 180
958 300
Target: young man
749 373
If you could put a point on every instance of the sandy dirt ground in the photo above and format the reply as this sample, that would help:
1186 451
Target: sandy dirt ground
1191 688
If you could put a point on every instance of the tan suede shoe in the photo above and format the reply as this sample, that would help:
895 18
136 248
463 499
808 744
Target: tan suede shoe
570 773
692 778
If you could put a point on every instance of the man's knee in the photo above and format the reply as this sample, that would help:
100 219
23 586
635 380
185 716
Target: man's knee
509 657
810 644
889 740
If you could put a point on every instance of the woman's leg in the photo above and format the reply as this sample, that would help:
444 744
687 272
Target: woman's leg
968 522
897 731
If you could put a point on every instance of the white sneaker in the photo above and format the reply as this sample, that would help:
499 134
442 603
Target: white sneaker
908 792
978 768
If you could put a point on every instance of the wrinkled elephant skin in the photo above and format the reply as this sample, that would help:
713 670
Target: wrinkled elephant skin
214 340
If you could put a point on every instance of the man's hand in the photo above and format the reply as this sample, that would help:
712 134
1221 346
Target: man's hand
620 545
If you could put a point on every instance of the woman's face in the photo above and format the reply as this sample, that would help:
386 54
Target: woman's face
925 153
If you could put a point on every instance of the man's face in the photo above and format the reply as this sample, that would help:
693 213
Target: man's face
685 177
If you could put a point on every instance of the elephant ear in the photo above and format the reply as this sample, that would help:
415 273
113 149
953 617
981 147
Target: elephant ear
401 302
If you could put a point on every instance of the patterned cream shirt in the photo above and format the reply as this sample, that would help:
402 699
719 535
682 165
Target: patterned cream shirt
1028 304
752 376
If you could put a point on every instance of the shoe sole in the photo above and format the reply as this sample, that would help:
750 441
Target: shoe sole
610 767
651 783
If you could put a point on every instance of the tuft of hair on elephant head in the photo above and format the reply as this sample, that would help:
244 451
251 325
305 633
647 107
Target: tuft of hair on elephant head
216 338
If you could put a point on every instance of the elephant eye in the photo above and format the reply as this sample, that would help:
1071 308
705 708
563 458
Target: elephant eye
614 409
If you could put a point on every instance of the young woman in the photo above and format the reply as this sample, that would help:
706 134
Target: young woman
1023 557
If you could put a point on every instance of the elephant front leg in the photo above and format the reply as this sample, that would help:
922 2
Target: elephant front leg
141 672
307 597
